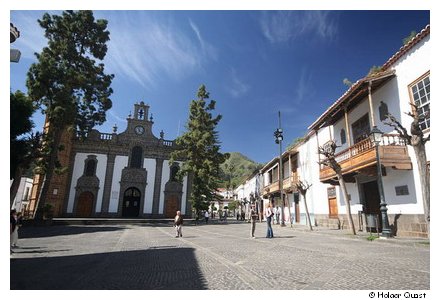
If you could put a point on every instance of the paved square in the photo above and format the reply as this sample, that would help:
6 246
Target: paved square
214 256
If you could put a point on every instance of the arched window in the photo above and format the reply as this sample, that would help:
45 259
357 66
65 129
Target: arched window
383 111
90 167
136 157
173 172
343 137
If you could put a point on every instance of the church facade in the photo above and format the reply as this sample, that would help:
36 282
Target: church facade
125 174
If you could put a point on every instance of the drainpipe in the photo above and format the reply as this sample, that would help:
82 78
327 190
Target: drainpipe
370 101
347 128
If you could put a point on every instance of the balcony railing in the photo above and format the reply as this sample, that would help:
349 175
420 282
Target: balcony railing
392 150
288 184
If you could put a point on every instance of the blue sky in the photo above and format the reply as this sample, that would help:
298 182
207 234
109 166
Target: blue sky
253 63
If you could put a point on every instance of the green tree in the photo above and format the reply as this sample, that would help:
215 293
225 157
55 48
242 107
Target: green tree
409 37
67 82
24 145
199 148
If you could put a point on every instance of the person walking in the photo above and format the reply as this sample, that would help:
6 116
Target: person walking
19 222
13 228
269 215
253 217
206 217
278 213
178 222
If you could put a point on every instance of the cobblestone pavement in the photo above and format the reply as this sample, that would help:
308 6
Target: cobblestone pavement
215 257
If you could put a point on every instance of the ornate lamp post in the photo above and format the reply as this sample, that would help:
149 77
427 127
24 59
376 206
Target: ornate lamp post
376 137
278 140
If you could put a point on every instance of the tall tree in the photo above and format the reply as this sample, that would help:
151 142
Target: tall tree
417 140
24 145
330 161
199 147
302 188
67 83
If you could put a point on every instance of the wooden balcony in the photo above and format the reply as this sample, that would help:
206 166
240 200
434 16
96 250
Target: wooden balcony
361 158
288 185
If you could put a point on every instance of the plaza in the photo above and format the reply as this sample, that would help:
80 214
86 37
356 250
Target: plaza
217 256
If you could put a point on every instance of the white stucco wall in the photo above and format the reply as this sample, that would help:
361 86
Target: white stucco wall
150 166
120 163
165 178
184 194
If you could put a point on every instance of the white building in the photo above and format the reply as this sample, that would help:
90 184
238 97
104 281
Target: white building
403 79
21 200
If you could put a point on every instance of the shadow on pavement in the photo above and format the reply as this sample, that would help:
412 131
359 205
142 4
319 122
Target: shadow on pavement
48 231
158 268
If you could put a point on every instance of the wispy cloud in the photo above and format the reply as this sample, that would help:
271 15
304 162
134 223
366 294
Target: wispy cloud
285 26
31 38
237 87
207 49
116 117
303 87
146 48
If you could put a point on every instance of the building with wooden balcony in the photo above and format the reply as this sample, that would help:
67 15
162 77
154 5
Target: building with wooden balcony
114 174
271 190
403 79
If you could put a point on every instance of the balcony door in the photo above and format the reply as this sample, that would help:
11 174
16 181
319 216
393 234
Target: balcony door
361 129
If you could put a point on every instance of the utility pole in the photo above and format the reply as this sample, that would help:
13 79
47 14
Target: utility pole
278 140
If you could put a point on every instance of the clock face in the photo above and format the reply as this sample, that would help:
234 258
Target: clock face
139 130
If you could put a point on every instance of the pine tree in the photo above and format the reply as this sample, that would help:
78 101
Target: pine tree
67 83
199 147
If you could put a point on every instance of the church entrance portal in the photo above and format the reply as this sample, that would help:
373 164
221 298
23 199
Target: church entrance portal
131 202
172 205
84 208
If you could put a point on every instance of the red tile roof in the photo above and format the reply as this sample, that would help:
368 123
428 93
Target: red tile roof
385 72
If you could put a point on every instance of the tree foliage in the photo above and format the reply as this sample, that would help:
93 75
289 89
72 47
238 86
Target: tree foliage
24 145
409 37
199 148
67 82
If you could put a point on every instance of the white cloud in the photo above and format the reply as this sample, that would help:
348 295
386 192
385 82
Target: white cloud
145 48
31 38
303 87
284 26
207 49
237 88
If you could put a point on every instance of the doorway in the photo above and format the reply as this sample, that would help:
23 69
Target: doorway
84 208
371 201
171 206
131 203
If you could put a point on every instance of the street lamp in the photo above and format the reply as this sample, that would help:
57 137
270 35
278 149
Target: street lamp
278 140
376 138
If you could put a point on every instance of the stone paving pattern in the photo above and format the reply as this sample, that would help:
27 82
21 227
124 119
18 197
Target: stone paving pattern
216 257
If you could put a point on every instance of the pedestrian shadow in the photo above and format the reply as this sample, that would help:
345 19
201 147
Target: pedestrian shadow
284 236
57 230
162 268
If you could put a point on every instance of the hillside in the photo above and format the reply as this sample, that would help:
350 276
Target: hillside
237 167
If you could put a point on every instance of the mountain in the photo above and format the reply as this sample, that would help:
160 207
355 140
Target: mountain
237 168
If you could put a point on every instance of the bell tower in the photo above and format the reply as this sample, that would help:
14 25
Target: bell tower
139 124
141 111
